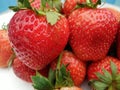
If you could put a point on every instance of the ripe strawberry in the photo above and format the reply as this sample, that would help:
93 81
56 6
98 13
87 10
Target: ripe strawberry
38 39
70 88
76 67
91 32
5 48
105 74
24 72
70 5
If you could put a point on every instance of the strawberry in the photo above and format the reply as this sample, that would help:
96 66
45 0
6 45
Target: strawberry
76 67
104 74
91 32
24 72
71 5
38 38
58 78
5 49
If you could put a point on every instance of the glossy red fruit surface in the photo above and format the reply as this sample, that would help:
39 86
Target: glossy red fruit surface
76 67
100 65
24 72
92 33
35 41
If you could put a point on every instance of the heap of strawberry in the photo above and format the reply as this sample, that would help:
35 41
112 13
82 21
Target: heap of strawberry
57 46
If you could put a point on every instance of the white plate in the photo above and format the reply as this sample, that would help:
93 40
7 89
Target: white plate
8 80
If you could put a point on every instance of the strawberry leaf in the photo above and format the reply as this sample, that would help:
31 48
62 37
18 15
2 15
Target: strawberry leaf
41 83
99 85
57 4
113 69
51 76
52 17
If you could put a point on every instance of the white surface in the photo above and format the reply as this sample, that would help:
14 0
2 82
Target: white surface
8 80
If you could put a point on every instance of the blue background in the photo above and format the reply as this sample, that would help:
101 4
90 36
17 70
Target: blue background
5 3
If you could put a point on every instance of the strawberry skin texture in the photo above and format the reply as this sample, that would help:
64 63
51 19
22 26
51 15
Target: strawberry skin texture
36 42
70 5
92 33
76 67
25 73
99 65
5 48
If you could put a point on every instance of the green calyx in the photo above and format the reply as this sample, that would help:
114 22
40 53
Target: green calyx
56 79
88 4
107 80
50 8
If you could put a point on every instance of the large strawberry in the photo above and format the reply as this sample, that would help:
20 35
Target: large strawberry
25 73
92 32
38 37
71 5
105 74
76 67
5 49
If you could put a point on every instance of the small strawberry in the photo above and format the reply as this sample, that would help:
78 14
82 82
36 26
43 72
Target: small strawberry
38 36
71 5
5 49
24 72
91 32
104 74
76 67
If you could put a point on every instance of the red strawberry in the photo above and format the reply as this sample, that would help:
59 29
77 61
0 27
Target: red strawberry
91 32
24 72
76 67
38 39
105 74
70 5
5 48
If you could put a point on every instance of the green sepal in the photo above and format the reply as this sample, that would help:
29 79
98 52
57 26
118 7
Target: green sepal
22 4
117 79
113 69
98 85
41 83
104 78
52 17
51 76
63 78
58 5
